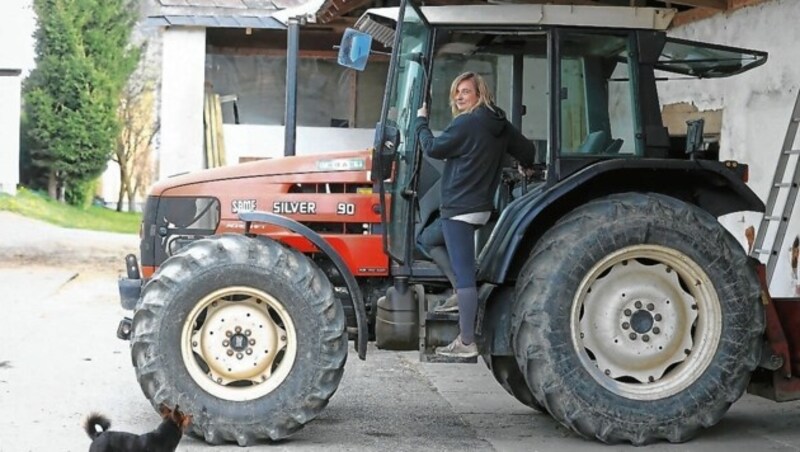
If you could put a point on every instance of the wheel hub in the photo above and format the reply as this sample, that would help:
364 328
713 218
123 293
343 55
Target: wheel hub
642 321
238 341
637 321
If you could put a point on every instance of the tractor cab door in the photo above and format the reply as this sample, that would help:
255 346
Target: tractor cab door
395 159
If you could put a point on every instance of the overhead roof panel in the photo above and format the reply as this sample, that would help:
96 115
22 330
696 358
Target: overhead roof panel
215 21
520 15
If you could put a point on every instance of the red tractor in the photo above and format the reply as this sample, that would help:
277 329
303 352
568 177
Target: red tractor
610 295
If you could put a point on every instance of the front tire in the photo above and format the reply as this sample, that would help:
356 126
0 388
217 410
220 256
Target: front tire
638 318
242 333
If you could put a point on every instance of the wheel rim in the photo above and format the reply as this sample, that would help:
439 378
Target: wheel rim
239 343
646 322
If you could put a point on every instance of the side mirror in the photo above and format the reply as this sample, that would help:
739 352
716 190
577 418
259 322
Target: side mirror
383 156
354 50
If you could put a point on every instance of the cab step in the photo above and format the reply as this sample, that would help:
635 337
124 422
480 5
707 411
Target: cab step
437 329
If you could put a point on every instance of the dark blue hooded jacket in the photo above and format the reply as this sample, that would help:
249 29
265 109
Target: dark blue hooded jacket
473 147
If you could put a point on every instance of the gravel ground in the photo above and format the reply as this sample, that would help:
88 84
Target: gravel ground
28 242
60 360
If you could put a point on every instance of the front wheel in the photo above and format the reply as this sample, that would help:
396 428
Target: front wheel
242 333
638 318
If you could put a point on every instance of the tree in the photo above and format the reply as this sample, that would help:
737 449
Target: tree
139 127
71 98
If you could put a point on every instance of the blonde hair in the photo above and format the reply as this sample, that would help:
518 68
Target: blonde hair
483 92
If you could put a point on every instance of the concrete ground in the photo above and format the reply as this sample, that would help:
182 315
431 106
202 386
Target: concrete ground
60 360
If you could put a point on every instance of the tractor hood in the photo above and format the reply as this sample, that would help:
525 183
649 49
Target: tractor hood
289 167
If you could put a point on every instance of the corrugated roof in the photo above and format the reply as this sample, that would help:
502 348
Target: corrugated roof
223 13
211 7
215 21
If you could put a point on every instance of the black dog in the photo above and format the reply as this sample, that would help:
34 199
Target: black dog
165 438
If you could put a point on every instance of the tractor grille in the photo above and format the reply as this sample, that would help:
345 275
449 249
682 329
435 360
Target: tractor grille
361 188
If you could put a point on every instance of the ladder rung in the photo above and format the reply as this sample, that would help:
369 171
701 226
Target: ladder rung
763 251
784 185
773 218
792 152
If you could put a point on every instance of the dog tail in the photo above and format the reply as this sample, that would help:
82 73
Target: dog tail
93 421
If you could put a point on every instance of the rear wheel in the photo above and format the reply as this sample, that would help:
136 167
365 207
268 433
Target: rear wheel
242 333
506 371
638 318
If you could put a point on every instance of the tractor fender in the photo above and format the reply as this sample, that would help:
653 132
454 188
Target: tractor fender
350 281
711 185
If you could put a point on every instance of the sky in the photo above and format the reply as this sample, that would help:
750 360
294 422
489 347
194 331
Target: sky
16 35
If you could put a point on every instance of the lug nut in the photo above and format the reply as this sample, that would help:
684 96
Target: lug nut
214 304
646 338
239 356
230 352
638 305
656 330
607 372
687 351
628 312
226 343
238 329
658 317
194 343
650 306
632 336
247 332
283 338
252 342
228 333
651 379
249 351
625 325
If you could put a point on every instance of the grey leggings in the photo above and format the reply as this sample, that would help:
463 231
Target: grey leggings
460 243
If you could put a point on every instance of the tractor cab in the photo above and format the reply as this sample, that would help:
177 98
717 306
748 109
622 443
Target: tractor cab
580 82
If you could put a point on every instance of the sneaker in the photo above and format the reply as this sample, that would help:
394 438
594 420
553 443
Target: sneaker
449 305
458 349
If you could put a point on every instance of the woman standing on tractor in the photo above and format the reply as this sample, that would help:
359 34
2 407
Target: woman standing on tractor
473 146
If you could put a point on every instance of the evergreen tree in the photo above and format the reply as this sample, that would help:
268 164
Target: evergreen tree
83 62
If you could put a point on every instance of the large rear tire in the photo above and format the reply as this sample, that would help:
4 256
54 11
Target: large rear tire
506 371
638 318
242 333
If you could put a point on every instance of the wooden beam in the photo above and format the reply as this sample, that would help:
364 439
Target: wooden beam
720 5
692 15
695 14
332 9
537 2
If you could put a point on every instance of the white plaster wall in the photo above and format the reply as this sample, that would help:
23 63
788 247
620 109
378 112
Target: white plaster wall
9 133
756 104
182 90
247 140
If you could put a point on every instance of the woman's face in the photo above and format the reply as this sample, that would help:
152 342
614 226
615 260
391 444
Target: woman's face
466 95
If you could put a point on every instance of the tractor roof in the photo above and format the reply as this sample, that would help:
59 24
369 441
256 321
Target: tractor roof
380 22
